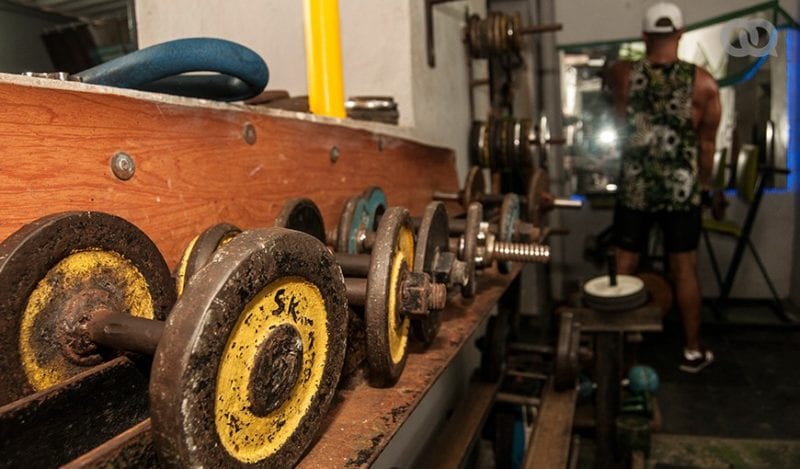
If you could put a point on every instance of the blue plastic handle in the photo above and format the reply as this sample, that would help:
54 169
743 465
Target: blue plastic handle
241 73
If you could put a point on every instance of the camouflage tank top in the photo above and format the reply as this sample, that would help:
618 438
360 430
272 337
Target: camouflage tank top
659 153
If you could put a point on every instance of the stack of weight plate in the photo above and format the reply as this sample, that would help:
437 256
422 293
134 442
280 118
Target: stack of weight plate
501 143
494 35
627 293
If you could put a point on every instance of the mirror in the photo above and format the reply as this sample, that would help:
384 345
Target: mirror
753 88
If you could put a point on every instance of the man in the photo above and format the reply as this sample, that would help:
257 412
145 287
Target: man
670 111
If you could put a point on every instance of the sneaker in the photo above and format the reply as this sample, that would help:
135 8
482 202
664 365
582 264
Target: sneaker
696 360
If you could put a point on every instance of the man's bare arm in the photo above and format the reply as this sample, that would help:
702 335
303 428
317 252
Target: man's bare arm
709 122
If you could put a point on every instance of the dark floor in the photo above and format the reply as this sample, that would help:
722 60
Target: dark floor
752 390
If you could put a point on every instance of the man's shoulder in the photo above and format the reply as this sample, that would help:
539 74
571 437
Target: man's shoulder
704 80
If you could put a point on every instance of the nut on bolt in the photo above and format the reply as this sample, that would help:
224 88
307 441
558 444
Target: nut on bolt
419 296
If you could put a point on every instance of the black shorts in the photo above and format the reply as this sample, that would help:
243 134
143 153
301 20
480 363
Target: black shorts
681 229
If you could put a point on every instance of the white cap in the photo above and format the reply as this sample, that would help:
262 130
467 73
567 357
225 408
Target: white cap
662 17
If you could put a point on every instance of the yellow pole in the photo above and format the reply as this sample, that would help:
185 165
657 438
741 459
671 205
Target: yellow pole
324 57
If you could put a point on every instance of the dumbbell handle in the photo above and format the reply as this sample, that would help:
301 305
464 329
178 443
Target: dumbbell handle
353 264
356 291
125 332
436 296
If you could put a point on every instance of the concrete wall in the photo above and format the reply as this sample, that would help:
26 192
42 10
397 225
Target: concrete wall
21 46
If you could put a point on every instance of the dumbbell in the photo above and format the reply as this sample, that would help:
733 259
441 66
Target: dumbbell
419 293
482 245
499 33
355 232
244 364
537 200
474 191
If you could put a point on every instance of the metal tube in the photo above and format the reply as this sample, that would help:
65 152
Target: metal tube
454 196
324 57
356 291
353 264
567 203
126 332
541 28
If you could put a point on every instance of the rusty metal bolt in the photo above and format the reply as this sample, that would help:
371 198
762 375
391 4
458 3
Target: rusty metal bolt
415 294
438 299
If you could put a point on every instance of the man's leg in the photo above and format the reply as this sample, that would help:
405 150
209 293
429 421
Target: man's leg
687 291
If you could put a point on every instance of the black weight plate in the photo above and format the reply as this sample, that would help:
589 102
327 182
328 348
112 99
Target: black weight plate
432 239
566 354
493 348
303 215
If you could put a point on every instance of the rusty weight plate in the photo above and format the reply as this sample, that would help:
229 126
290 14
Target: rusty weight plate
303 215
538 185
251 354
360 214
509 216
432 239
476 144
200 251
566 356
26 259
349 210
473 226
474 186
387 327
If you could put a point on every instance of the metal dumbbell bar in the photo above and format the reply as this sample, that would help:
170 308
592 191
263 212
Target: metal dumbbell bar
536 201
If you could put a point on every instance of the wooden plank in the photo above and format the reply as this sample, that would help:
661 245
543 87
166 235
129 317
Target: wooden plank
193 165
454 440
550 441
644 319
363 420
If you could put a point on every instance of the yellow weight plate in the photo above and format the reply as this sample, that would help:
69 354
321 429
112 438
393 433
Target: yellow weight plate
291 301
44 363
